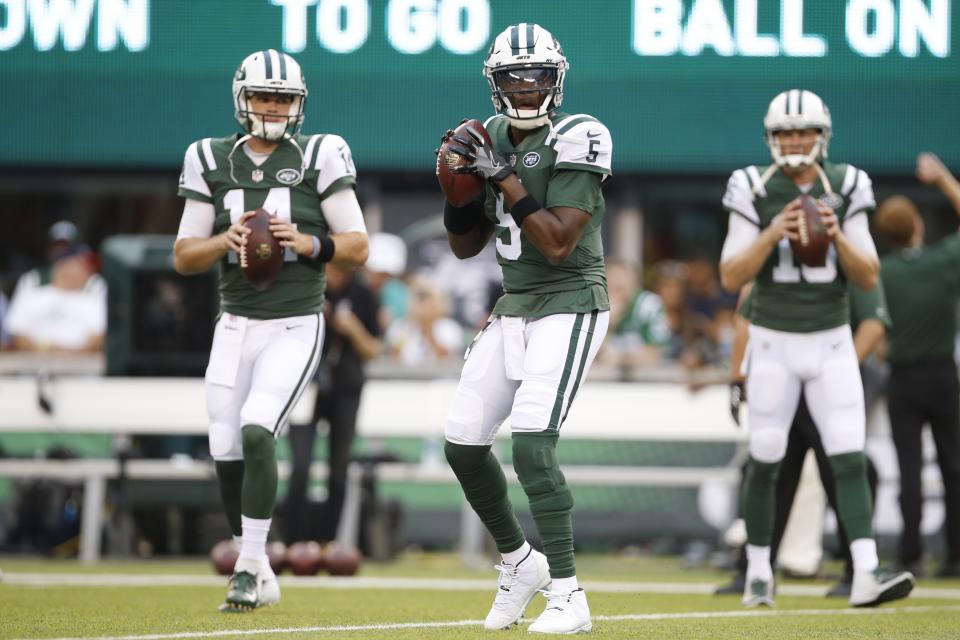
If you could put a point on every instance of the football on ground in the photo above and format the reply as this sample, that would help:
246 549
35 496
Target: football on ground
459 188
262 257
814 243
224 555
305 558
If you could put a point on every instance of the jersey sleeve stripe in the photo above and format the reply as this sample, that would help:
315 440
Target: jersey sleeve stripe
343 182
183 192
746 216
576 166
308 152
486 123
849 180
572 122
756 183
209 162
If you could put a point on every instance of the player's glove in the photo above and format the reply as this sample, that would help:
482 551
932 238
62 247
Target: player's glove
738 398
483 158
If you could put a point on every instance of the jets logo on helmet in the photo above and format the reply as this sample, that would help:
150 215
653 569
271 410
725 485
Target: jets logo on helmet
797 109
526 59
269 71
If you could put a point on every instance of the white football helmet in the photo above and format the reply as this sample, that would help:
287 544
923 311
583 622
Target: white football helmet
524 58
269 71
797 109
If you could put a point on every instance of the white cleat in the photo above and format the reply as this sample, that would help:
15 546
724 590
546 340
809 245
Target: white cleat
566 612
270 587
871 588
758 593
518 585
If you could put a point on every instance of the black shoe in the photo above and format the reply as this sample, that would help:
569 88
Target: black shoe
842 588
735 587
949 570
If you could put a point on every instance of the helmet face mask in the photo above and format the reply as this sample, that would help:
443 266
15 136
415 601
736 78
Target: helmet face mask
265 73
797 110
525 68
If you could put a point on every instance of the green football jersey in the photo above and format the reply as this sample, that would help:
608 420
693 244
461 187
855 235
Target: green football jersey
561 165
235 185
788 295
923 287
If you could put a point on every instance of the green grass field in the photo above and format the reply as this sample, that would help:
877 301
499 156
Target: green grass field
432 596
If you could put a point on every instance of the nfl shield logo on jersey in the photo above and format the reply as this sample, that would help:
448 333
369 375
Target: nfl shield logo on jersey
257 175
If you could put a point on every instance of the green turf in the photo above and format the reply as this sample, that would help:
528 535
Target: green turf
58 611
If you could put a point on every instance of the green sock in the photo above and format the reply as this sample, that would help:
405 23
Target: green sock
485 488
260 472
550 499
853 494
759 488
230 479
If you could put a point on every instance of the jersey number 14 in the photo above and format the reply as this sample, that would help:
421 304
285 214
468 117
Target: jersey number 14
277 203
787 269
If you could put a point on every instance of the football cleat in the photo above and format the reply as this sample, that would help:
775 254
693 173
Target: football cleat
269 587
565 613
518 585
243 594
871 588
758 593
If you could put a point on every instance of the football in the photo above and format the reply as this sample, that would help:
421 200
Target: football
305 558
341 560
262 257
814 243
459 188
224 556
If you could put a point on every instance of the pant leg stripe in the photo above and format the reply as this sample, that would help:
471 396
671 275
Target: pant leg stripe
583 364
567 368
305 378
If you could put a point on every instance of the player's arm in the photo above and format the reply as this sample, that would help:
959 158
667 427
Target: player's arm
747 245
555 232
930 170
196 249
856 251
468 229
347 244
868 337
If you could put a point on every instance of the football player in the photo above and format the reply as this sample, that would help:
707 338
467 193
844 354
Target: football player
544 206
799 331
266 344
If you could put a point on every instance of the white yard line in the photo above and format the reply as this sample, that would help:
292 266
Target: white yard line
423 584
470 623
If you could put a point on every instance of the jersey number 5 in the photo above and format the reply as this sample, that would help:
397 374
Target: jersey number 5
509 250
277 203
787 269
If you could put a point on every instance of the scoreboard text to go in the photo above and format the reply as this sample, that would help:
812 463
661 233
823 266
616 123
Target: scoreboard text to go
870 28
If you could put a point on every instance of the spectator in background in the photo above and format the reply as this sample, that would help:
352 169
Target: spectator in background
427 335
61 236
670 284
639 328
64 316
922 285
711 313
351 312
386 267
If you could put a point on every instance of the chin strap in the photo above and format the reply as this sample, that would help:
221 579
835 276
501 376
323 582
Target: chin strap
236 145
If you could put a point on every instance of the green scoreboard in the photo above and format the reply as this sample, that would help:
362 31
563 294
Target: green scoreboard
682 84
